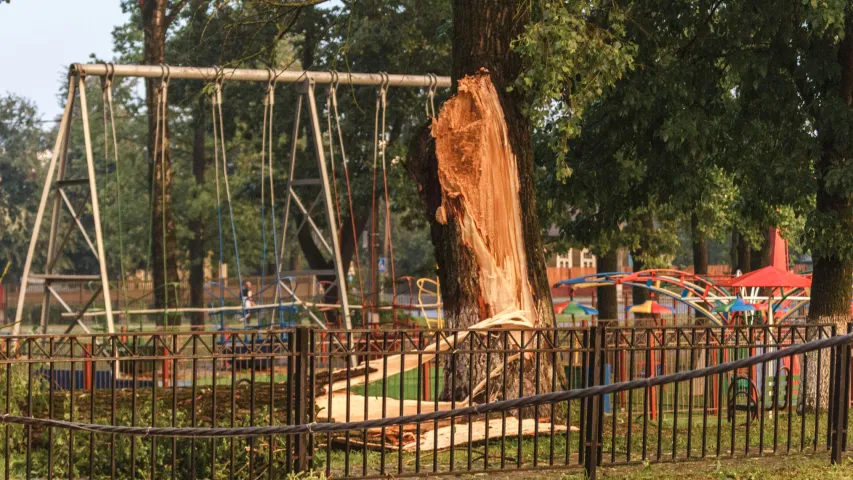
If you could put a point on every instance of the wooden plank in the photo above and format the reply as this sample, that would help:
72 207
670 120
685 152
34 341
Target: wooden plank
452 435
374 407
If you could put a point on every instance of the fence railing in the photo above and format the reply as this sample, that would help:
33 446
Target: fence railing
147 383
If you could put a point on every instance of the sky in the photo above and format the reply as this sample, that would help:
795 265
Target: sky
41 38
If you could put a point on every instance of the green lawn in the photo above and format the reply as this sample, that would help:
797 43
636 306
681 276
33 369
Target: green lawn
410 385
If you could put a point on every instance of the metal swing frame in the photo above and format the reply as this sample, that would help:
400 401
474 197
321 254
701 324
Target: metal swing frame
56 182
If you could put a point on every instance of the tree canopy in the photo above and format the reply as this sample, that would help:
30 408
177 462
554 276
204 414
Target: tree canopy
654 125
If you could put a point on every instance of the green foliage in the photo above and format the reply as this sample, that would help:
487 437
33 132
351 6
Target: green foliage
572 57
720 116
24 152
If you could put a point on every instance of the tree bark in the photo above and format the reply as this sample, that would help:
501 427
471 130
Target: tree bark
733 251
760 257
638 295
196 247
453 165
164 244
744 255
700 247
608 300
699 243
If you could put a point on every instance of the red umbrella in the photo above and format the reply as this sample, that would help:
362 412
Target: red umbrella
769 277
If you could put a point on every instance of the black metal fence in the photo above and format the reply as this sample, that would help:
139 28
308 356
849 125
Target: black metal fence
797 403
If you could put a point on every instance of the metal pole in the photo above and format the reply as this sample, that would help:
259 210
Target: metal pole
54 219
840 402
845 415
48 183
251 75
593 417
330 207
302 387
294 138
96 211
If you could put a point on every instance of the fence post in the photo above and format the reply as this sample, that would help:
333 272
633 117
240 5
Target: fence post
847 378
592 430
301 391
839 401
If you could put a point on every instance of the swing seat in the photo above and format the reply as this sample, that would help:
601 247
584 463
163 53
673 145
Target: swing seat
742 397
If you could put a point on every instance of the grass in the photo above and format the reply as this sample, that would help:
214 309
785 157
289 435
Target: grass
536 455
410 385
766 468
530 454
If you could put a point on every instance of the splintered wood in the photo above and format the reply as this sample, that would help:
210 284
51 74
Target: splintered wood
447 436
478 174
479 180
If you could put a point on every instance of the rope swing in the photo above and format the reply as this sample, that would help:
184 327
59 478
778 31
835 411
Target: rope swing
332 112
107 98
219 144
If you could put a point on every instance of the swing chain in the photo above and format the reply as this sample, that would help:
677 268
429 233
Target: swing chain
429 104
269 99
217 85
382 94
336 81
107 80
164 79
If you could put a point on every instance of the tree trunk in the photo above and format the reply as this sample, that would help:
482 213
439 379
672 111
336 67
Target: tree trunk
608 300
760 257
474 171
744 255
830 292
638 295
700 254
164 245
196 250
700 247
733 252
640 263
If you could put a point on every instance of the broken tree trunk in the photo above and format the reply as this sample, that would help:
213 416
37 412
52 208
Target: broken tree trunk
468 175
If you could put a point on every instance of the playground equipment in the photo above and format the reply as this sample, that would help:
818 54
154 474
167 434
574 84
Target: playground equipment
650 307
683 287
57 183
428 286
707 297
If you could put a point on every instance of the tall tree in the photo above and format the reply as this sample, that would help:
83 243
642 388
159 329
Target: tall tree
832 223
21 142
483 32
197 252
477 158
156 19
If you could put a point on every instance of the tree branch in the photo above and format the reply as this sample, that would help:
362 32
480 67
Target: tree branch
176 9
683 50
292 3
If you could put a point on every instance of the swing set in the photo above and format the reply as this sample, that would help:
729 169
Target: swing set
280 297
